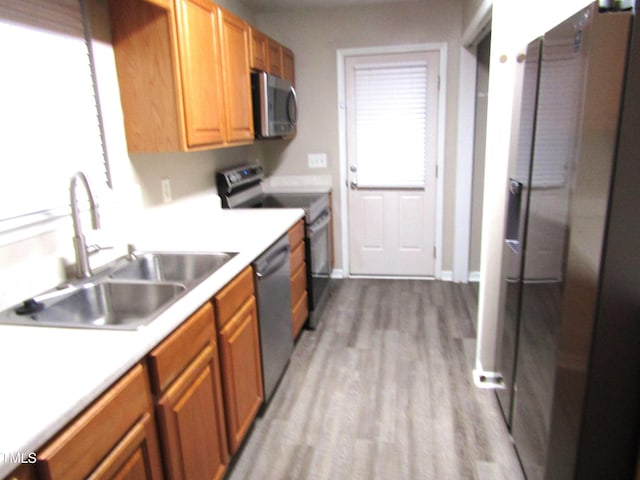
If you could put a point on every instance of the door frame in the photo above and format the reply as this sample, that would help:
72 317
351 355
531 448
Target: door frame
341 55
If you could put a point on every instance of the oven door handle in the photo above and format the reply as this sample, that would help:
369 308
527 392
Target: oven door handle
273 263
319 224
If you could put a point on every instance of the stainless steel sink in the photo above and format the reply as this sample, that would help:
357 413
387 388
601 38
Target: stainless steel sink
104 305
186 268
127 294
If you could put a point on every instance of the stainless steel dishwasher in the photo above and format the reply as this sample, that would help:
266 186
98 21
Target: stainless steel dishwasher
273 292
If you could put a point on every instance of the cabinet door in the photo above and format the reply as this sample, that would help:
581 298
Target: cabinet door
275 58
114 438
192 421
298 292
259 50
200 72
288 63
234 40
129 459
241 371
26 471
143 36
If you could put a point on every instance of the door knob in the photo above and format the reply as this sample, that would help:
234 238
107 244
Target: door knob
353 168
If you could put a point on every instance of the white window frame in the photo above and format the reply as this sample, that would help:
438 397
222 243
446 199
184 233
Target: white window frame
341 55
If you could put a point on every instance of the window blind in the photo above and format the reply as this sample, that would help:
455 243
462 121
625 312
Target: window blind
49 117
391 124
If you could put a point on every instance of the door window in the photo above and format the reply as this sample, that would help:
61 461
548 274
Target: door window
390 123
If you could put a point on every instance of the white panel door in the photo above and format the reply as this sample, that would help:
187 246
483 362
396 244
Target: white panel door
392 148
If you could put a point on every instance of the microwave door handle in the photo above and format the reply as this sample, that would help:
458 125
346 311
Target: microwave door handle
293 115
264 101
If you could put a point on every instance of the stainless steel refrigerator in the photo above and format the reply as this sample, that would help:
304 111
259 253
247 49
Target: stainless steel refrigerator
571 345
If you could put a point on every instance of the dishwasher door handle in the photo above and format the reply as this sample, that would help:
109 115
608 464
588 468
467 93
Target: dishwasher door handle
319 224
268 266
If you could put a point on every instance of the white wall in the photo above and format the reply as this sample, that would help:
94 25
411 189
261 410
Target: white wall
514 24
482 86
315 36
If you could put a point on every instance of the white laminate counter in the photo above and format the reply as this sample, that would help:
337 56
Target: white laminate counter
49 375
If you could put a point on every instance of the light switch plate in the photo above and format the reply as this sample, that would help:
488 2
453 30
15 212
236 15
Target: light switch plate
317 160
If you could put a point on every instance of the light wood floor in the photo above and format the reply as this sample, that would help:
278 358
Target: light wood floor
383 390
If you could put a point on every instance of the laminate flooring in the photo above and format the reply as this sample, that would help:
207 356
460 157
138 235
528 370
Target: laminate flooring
383 389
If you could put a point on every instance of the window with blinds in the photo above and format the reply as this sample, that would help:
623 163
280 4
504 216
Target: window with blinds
391 124
49 117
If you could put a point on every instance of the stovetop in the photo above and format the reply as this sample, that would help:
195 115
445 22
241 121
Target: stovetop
241 187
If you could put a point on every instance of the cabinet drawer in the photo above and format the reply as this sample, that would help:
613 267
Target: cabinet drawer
298 283
231 297
300 314
296 234
174 354
297 257
76 451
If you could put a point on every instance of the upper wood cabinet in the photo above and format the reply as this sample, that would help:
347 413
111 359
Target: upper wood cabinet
267 55
185 375
183 70
200 72
234 40
114 438
184 73
258 50
275 58
288 64
168 63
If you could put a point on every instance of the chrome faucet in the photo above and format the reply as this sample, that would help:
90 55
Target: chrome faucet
83 268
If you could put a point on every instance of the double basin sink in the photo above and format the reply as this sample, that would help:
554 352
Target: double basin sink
127 294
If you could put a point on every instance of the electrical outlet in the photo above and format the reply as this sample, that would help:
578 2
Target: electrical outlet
166 190
317 160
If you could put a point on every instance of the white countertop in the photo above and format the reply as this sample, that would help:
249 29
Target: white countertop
52 374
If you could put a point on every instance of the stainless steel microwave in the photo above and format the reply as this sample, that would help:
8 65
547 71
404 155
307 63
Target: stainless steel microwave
275 107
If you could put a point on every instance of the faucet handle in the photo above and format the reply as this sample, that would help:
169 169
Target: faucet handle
95 248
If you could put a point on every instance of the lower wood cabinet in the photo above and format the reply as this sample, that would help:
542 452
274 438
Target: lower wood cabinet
204 382
241 366
114 438
185 374
299 303
26 471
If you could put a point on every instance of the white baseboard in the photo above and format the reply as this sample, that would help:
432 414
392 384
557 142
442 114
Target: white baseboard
474 276
447 275
337 273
